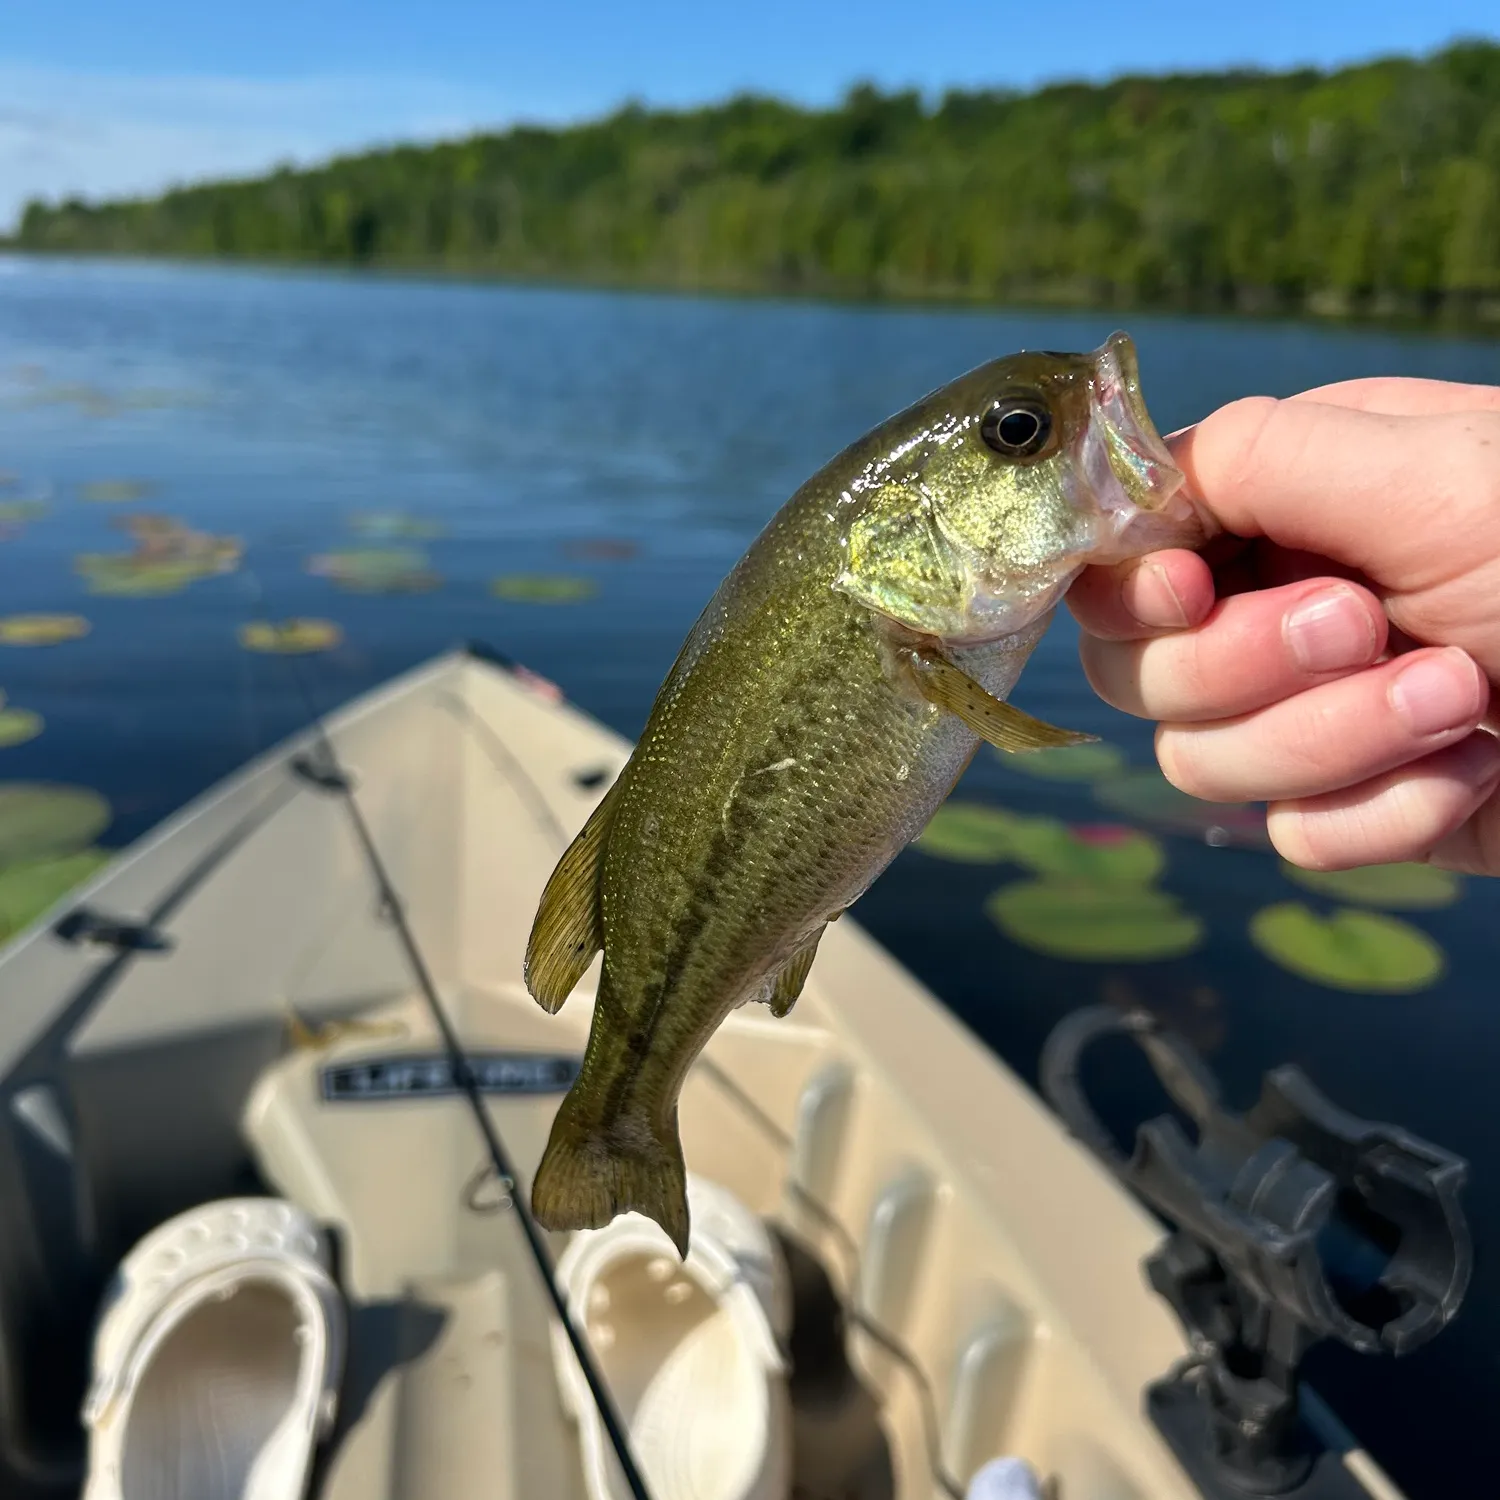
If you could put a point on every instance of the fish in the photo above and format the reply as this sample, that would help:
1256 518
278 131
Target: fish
824 704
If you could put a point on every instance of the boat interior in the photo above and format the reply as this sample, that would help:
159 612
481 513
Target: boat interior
229 1010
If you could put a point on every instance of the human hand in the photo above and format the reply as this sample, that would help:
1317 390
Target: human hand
1333 653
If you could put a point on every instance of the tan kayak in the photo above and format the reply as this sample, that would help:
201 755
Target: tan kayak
233 1013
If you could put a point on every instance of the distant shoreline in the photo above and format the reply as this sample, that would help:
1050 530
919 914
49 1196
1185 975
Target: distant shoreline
1484 328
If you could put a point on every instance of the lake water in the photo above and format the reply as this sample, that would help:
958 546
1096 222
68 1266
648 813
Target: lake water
639 442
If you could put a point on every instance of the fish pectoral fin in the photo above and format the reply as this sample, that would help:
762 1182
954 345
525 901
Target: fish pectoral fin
566 933
1005 727
791 976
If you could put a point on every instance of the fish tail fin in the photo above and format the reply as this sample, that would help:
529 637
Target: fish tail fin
592 1171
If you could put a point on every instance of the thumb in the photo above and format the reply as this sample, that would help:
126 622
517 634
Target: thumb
1396 497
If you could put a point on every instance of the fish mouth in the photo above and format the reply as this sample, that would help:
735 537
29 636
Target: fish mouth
1137 455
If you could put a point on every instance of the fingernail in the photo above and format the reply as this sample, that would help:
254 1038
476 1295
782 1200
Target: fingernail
1329 631
1437 692
1153 599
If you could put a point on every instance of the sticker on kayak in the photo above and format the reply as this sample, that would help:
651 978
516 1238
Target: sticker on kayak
430 1075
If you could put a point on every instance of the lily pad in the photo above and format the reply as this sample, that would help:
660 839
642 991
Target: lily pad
166 558
394 526
29 888
1146 796
543 588
290 637
1094 921
970 833
115 491
1405 887
376 570
123 575
19 512
41 630
17 725
89 399
1349 950
40 819
1104 852
1067 762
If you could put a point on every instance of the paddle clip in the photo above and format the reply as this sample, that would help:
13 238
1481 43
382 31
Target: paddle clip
1293 1223
320 770
85 925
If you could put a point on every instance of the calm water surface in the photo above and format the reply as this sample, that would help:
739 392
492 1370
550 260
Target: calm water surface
273 406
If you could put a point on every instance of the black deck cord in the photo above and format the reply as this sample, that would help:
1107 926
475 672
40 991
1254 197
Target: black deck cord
463 1075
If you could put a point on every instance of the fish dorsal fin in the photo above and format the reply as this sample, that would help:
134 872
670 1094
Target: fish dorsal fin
791 976
1005 727
566 933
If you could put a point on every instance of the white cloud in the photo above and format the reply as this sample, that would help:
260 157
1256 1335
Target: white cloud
65 133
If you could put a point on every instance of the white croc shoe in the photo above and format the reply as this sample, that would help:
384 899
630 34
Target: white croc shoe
217 1358
691 1350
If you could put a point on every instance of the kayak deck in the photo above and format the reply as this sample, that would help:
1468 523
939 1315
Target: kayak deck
966 1278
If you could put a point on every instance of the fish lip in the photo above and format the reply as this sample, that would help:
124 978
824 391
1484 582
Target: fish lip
1137 454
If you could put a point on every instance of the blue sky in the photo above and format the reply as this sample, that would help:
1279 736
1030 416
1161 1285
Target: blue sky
102 96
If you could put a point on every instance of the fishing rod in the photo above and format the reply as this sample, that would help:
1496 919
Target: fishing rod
330 776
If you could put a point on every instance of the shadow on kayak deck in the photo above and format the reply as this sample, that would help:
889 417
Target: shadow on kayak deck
839 1448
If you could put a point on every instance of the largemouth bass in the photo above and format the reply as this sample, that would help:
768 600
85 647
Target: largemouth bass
826 701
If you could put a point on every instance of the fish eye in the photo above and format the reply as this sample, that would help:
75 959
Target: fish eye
1017 428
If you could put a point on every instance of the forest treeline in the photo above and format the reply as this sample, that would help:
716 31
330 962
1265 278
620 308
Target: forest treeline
1371 189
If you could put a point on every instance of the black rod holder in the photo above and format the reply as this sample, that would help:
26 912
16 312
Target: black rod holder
1292 1223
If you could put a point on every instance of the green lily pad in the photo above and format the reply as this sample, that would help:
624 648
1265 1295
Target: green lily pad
970 833
167 557
1349 950
376 570
19 512
89 399
543 588
31 887
290 637
123 575
1093 921
394 526
41 630
1146 796
17 725
115 491
1105 852
40 819
1067 762
1405 887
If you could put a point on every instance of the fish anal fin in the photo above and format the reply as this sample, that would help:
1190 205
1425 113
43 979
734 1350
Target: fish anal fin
566 933
590 1172
792 976
1004 726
